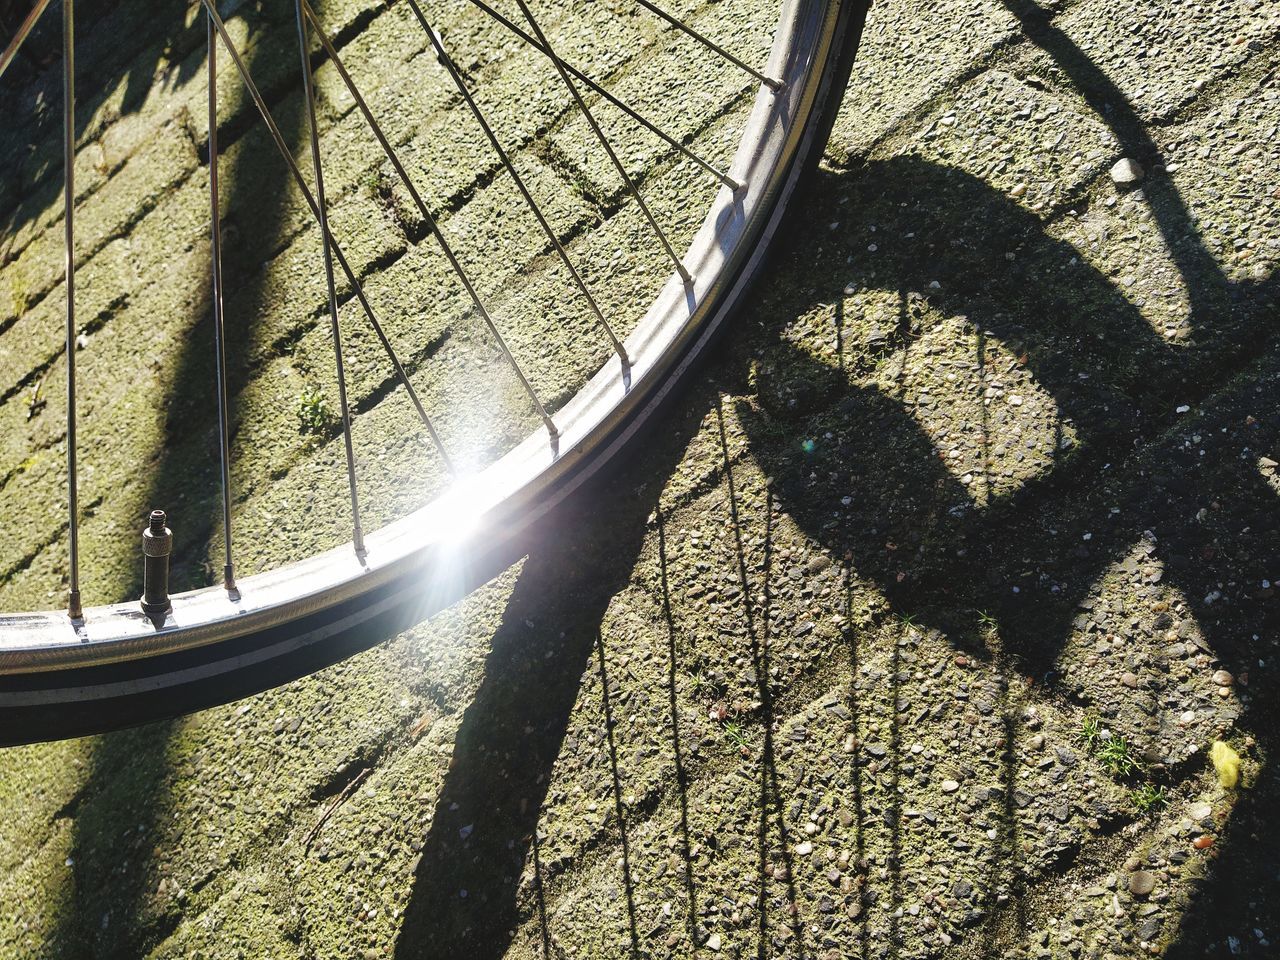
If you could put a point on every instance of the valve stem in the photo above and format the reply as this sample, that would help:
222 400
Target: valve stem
157 544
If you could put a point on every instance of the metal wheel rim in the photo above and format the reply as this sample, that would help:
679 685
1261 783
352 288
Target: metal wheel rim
409 559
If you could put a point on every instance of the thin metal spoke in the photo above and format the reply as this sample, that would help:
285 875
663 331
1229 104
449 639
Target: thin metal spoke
24 29
219 335
74 610
622 105
434 227
604 141
449 65
283 149
304 51
710 44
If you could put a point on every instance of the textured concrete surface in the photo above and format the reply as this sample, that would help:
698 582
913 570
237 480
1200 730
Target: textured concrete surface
907 636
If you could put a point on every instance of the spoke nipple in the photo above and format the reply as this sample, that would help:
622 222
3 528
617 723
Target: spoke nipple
157 544
229 582
74 610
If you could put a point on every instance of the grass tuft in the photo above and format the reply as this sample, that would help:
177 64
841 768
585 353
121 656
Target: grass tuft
1117 756
1090 732
1149 799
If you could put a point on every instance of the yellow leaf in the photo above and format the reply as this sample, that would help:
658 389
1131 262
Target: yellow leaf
1227 762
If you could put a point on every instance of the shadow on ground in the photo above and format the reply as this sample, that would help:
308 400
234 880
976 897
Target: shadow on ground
464 891
913 528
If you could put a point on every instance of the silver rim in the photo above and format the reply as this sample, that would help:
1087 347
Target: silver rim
422 557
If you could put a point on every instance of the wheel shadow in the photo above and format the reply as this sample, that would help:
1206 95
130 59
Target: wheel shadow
913 528
1028 559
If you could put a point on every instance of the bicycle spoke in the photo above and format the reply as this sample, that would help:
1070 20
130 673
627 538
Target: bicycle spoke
710 44
604 141
454 262
449 65
219 333
74 608
301 183
626 108
107 664
308 94
434 227
24 29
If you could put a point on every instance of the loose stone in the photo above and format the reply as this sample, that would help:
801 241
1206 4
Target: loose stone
1127 172
1142 882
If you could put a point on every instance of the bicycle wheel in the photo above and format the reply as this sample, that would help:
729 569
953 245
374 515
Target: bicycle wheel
75 671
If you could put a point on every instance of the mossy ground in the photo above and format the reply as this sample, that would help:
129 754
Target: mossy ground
990 458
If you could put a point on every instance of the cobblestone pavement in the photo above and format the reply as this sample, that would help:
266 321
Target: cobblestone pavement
909 633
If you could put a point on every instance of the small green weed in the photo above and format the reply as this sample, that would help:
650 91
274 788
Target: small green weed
1115 754
1149 799
315 417
1090 732
734 734
705 685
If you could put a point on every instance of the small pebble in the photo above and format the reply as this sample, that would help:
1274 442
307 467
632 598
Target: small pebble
1142 882
1203 842
950 786
1127 173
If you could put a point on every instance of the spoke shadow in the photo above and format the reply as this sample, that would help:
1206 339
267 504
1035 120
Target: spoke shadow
774 853
676 651
618 806
464 894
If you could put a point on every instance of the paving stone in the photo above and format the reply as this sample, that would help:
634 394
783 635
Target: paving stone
900 71
801 676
